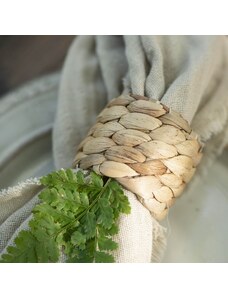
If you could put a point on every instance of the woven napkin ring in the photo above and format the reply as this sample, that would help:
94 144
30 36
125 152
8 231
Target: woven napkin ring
147 147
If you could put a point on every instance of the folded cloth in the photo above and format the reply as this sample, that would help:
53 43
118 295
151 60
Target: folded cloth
187 73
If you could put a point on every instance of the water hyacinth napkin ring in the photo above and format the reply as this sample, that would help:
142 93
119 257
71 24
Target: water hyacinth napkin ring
149 149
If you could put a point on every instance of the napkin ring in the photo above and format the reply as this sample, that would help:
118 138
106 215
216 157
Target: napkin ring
148 148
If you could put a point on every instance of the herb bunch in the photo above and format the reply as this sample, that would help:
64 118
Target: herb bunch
77 217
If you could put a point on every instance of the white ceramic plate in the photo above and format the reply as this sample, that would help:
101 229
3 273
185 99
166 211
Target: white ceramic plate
197 224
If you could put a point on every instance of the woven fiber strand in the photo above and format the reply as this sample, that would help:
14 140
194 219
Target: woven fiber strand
148 148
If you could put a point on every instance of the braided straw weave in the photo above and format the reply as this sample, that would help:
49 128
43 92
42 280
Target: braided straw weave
150 149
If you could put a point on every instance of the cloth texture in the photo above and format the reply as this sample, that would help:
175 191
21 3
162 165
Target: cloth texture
187 73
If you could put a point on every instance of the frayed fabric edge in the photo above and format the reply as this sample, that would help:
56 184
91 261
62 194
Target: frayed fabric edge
12 191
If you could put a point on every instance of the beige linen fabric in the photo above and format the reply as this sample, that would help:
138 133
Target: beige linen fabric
187 73
16 205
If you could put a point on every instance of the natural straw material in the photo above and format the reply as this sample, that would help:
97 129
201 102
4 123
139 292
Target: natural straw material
150 149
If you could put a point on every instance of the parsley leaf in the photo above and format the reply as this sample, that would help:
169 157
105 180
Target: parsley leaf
77 216
102 257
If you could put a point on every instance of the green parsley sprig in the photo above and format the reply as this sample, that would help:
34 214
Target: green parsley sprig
77 217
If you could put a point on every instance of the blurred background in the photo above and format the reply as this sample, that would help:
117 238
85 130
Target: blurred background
26 57
29 80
